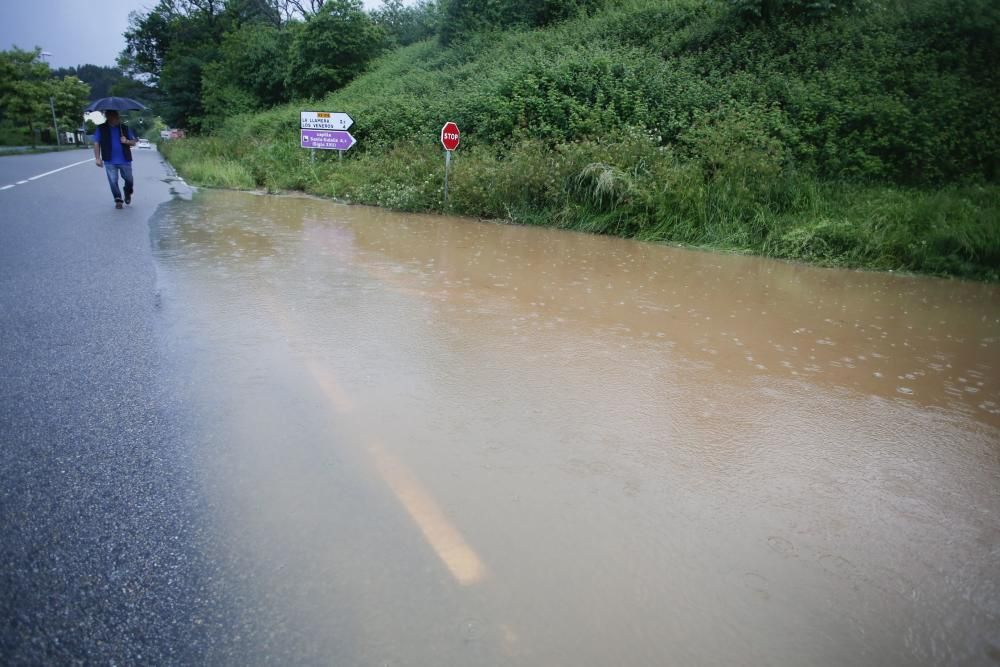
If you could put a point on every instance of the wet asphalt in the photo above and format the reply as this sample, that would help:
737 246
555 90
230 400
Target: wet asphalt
105 557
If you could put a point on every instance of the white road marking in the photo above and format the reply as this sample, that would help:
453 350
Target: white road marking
33 178
48 173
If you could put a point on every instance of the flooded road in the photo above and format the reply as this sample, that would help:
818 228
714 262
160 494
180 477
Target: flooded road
431 441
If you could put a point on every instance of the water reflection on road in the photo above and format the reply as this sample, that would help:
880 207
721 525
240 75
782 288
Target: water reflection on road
431 441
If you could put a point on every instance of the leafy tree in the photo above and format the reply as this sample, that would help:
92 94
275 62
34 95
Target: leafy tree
548 12
406 24
170 46
253 12
148 39
181 86
29 94
252 70
221 97
298 9
332 48
138 90
462 18
212 58
767 10
69 96
24 90
100 79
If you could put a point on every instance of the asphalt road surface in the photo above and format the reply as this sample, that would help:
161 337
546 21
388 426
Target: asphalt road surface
102 551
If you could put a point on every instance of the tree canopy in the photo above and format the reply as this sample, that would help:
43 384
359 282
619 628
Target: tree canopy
209 59
29 93
332 48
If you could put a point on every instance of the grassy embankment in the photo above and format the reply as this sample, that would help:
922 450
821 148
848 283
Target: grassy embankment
867 140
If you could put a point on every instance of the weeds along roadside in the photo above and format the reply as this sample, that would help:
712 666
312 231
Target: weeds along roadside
647 193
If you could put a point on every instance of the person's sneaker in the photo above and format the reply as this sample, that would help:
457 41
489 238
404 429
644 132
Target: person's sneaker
118 203
128 197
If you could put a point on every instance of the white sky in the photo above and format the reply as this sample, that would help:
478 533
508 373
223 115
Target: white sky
73 31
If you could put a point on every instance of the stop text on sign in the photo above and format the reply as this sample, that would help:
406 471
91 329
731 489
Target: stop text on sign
450 136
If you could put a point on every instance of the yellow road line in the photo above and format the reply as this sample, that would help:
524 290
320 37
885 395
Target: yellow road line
443 537
342 403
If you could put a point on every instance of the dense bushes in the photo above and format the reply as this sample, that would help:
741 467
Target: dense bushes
766 10
895 94
462 19
865 137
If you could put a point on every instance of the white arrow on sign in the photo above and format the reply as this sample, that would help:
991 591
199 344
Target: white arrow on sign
324 120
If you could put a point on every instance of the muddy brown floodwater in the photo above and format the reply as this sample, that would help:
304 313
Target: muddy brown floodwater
432 441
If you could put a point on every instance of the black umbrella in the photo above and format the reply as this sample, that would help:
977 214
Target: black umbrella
115 104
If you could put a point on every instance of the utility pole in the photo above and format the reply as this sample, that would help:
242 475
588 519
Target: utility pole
52 105
45 55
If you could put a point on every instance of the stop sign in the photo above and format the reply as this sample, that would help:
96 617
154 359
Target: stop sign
450 136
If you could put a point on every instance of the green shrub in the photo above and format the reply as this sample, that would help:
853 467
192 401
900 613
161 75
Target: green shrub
464 19
812 9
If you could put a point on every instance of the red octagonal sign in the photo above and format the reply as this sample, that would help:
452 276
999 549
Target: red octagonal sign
450 136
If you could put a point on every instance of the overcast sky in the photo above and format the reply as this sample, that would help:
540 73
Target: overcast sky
73 31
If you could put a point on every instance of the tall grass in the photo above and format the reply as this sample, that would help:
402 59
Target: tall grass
204 162
648 193
219 173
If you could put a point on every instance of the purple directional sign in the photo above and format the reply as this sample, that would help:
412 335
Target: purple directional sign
334 140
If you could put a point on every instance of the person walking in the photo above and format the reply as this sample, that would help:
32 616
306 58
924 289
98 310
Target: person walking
113 150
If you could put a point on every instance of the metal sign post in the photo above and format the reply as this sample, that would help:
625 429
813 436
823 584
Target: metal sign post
447 168
450 137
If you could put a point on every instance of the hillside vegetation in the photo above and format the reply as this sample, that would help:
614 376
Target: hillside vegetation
856 134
